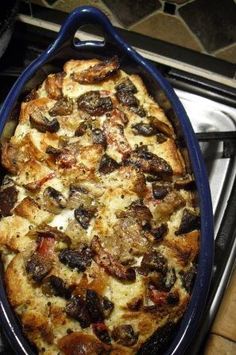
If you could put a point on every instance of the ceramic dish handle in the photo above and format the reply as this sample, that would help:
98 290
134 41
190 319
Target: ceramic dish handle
82 16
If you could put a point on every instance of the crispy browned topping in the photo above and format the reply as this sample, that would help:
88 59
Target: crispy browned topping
98 72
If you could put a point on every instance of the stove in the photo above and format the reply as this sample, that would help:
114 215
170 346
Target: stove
211 107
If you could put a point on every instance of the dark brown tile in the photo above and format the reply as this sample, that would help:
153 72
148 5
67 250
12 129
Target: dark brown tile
213 21
128 11
169 8
180 2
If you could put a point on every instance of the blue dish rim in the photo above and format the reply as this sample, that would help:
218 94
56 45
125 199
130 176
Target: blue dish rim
188 325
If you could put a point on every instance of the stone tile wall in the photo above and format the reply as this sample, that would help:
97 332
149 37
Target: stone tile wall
207 26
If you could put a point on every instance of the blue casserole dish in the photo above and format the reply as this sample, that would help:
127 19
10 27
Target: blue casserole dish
66 47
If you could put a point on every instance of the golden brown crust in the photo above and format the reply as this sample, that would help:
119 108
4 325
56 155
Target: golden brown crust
101 247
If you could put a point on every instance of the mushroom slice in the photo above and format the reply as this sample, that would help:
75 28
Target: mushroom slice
125 335
161 126
125 95
94 306
93 103
144 129
43 124
110 264
107 165
79 259
76 308
127 98
190 221
186 183
9 157
153 261
98 72
54 201
55 286
99 137
62 107
41 261
149 163
160 232
187 278
8 198
101 331
38 266
81 129
83 215
126 85
159 190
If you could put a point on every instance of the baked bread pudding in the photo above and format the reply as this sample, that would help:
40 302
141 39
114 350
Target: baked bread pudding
99 228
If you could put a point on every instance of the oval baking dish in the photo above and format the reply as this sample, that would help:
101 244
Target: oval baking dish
66 47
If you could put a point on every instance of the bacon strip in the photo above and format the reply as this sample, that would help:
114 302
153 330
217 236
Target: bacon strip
114 131
110 264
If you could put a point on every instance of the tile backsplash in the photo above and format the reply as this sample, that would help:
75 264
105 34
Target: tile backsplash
207 26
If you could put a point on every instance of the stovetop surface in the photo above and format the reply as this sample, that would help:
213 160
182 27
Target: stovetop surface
214 121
